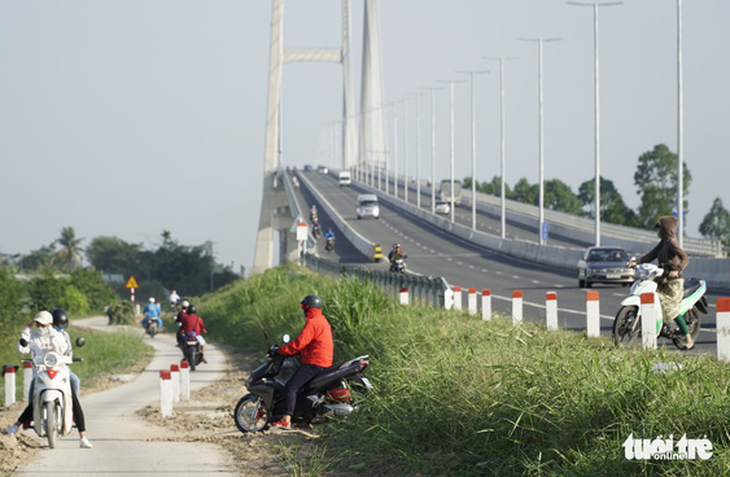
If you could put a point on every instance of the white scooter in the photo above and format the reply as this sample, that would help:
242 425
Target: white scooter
52 401
627 325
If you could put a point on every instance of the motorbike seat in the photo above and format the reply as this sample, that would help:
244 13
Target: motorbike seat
332 373
691 286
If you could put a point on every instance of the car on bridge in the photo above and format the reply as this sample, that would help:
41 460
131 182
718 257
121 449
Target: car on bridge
442 207
323 169
367 206
604 265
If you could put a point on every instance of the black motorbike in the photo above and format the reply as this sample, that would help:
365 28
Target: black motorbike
398 266
192 351
329 245
336 392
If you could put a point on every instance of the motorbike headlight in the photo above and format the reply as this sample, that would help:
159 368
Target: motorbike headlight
50 360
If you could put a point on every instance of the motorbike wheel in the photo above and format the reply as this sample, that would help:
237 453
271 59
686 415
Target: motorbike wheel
693 325
51 428
251 414
627 326
193 359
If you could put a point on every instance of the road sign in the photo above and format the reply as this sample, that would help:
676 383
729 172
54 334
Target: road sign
302 231
544 230
131 283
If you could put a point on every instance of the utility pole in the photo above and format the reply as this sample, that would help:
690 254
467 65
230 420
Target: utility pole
541 221
502 142
473 149
680 129
452 206
596 121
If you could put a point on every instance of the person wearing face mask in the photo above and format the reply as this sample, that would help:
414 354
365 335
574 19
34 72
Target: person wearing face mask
315 347
45 339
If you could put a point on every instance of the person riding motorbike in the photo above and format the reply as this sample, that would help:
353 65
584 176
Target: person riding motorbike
37 344
315 347
316 228
673 260
397 253
330 235
152 311
178 320
192 325
174 300
313 213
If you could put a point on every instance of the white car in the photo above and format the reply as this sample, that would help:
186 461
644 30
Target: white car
442 207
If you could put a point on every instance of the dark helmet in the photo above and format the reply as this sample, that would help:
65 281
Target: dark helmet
396 245
60 318
312 301
192 309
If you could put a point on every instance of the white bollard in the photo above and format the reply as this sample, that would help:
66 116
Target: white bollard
175 378
551 310
472 301
723 329
9 376
404 299
457 298
516 307
27 378
165 393
648 320
593 314
448 299
486 305
184 381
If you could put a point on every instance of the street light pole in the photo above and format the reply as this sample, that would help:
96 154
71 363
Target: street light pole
433 151
541 222
418 148
680 128
473 149
597 118
451 144
502 142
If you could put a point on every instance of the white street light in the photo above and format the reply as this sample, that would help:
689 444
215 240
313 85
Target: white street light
596 122
451 144
473 149
433 151
680 128
541 221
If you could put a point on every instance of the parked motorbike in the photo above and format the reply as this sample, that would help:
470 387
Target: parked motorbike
329 245
336 392
398 265
52 401
192 352
627 325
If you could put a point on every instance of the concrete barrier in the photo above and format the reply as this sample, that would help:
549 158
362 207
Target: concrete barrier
486 305
165 393
551 310
648 321
593 314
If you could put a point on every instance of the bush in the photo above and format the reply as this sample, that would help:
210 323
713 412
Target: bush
12 293
122 312
91 284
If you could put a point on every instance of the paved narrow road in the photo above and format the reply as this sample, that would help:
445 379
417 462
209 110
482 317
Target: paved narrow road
124 444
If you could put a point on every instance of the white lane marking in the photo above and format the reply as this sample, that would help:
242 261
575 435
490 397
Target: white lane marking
515 277
471 266
447 258
460 263
484 270
497 272
432 251
536 282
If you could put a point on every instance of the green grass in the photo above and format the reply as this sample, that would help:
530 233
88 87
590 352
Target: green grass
458 396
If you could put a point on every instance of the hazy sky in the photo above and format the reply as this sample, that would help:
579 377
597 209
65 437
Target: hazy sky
129 117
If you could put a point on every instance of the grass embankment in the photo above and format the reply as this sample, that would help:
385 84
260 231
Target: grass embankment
458 396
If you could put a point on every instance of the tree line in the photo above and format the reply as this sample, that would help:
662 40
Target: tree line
655 180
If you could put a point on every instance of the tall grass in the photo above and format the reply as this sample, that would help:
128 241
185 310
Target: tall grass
458 396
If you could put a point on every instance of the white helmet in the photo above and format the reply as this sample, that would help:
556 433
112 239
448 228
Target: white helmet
185 304
152 300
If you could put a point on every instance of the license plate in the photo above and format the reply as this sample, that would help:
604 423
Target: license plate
366 382
613 276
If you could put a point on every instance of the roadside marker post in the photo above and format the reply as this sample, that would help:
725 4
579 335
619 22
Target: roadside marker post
184 381
457 298
9 376
175 378
648 321
404 299
593 314
27 378
486 305
551 310
165 393
516 308
723 329
472 301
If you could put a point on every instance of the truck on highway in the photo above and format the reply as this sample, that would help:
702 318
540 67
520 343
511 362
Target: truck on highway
444 191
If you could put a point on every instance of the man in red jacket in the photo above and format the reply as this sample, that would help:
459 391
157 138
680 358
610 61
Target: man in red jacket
192 325
314 346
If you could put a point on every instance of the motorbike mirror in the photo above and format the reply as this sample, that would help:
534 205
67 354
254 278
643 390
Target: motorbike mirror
23 342
286 338
80 341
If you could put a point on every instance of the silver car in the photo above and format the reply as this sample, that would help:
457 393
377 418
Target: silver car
604 265
442 207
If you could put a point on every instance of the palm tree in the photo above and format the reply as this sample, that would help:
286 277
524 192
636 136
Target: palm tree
70 249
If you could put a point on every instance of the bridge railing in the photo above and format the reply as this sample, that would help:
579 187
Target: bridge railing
296 211
427 291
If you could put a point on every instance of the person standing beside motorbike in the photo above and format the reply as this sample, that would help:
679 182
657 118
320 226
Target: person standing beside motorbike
152 312
46 339
192 325
315 347
674 260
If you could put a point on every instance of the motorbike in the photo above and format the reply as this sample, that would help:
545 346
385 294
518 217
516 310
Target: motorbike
52 401
336 392
627 324
398 265
316 231
192 351
329 245
152 328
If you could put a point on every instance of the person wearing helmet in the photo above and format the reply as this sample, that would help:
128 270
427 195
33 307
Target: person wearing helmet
178 320
46 339
396 253
152 311
330 235
192 325
314 346
174 300
60 323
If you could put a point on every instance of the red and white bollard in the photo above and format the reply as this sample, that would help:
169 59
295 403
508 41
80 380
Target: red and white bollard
593 314
184 381
404 299
9 376
457 298
472 301
486 305
165 393
516 307
175 378
723 329
551 310
648 320
27 378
